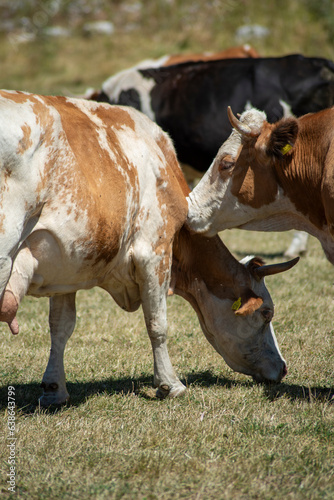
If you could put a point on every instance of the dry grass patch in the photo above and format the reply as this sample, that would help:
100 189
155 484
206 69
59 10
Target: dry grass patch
227 438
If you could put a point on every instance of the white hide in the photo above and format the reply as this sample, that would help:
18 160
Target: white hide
132 79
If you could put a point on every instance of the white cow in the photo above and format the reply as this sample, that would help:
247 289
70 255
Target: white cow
92 195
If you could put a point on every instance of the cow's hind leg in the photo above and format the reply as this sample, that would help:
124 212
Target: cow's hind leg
62 322
154 287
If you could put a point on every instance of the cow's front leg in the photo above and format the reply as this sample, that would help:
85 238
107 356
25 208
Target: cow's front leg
165 378
154 287
62 322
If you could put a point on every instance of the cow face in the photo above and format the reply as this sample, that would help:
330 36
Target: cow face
232 303
241 330
240 188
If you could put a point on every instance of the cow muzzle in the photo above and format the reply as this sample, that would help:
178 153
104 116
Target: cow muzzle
261 379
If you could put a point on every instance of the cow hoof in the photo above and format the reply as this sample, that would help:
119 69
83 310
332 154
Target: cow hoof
52 396
47 400
164 391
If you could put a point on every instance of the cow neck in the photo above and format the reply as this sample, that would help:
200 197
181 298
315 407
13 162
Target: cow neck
300 173
198 259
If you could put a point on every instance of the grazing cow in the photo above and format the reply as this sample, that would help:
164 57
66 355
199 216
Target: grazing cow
189 100
271 177
92 195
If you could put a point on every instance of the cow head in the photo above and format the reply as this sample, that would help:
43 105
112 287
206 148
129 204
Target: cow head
241 187
233 305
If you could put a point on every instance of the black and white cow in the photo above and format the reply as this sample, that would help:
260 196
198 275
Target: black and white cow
189 100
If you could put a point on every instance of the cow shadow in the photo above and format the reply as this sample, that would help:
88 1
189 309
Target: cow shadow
142 386
79 391
299 392
27 394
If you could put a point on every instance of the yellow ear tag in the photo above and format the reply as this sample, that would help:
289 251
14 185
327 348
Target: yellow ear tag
285 149
237 304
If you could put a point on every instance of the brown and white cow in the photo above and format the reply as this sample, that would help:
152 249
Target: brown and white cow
92 195
271 177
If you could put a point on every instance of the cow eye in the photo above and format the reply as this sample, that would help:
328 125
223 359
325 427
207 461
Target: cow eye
225 164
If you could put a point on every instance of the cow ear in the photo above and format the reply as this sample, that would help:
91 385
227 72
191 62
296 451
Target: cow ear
247 304
283 137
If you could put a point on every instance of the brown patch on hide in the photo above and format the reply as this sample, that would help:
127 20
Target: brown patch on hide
96 175
249 304
171 188
2 221
243 51
16 96
303 174
253 185
26 141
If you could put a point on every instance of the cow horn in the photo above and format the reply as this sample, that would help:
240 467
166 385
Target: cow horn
243 128
268 270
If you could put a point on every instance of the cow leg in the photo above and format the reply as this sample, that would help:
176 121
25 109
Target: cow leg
165 378
62 322
298 245
154 303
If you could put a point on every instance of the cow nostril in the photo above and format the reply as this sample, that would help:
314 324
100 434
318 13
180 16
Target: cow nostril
285 371
267 315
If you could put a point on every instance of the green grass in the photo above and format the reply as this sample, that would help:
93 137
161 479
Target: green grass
228 438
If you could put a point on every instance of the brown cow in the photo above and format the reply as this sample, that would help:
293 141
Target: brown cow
271 177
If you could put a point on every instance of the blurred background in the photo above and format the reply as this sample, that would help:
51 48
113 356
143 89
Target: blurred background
62 46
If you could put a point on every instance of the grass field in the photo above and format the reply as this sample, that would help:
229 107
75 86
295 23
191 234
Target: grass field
228 438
